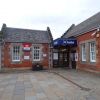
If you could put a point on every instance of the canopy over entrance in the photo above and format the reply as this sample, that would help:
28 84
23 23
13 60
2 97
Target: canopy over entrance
65 42
64 52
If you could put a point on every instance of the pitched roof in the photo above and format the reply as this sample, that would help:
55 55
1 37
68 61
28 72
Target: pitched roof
69 29
86 26
0 36
26 35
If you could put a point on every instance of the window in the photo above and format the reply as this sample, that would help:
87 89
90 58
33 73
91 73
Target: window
55 56
83 52
36 53
92 52
16 53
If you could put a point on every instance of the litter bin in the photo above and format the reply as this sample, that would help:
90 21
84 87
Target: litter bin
37 67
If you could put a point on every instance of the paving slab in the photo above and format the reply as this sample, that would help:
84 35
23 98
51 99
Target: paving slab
44 85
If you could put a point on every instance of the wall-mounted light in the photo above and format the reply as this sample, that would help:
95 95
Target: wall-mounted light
93 33
96 32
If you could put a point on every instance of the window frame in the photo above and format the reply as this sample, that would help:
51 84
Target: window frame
55 56
92 51
83 52
36 50
17 55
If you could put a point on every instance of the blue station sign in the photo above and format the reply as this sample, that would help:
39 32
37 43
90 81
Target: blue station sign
65 42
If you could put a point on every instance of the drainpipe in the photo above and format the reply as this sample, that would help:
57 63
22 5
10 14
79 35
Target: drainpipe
50 56
2 44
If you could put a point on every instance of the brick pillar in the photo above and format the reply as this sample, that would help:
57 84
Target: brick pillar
50 57
2 56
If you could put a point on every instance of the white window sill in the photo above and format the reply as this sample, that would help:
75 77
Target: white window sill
36 60
93 61
83 60
16 60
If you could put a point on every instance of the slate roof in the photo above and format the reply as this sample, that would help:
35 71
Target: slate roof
26 35
0 36
69 29
86 26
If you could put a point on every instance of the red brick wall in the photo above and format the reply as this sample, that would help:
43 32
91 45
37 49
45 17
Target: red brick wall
25 63
45 60
87 65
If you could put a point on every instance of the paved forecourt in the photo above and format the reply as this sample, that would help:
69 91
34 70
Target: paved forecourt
38 86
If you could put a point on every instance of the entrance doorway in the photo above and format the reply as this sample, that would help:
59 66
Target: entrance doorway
61 59
72 59
65 52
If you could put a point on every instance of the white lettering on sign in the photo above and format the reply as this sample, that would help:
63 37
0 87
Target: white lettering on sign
27 48
44 55
64 42
26 57
70 42
55 42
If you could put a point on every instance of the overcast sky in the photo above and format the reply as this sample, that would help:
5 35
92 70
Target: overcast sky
38 14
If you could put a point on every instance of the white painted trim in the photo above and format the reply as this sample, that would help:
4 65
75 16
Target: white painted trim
19 53
83 51
39 52
91 60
